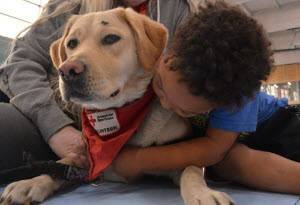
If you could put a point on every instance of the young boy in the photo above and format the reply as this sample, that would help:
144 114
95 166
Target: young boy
216 64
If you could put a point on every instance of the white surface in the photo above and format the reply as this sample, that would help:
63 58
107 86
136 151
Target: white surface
155 192
159 193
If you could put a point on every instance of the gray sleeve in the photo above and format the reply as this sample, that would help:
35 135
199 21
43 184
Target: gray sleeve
183 13
173 13
25 78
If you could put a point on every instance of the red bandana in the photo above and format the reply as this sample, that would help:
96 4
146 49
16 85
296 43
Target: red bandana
106 131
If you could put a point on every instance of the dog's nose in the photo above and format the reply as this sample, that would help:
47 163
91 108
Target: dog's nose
71 69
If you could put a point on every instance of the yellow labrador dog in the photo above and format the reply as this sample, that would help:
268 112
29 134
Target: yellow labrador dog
106 60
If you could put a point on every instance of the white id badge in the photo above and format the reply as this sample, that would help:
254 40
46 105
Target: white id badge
104 122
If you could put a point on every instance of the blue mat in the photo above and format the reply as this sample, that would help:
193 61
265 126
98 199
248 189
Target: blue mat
154 192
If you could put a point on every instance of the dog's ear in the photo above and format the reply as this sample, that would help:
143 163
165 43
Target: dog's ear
57 49
151 38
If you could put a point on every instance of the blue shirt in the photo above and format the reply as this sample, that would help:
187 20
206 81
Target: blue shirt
246 119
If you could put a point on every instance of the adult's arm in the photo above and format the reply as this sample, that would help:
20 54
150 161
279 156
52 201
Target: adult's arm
24 77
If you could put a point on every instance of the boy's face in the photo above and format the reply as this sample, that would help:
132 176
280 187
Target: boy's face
174 94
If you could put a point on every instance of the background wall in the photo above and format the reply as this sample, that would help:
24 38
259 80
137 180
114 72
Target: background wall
281 19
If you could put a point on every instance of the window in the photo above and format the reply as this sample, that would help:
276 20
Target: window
289 90
16 15
284 82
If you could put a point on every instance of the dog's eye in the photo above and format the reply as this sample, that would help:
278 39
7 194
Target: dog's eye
73 43
110 39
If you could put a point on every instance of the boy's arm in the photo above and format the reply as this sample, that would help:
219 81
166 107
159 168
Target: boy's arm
203 151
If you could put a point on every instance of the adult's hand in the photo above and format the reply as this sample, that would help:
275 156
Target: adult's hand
69 143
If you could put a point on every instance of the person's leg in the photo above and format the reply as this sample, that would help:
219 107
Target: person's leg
260 170
270 158
3 97
20 140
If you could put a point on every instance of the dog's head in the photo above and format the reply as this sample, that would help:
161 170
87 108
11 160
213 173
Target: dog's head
106 59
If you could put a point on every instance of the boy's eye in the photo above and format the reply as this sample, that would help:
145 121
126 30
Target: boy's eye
73 43
184 112
188 114
168 59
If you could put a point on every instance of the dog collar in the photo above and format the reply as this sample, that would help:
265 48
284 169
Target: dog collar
107 131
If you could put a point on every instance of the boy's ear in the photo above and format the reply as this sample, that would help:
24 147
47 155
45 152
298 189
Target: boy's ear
150 37
57 48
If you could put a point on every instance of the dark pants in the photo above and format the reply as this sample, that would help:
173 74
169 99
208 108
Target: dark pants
3 97
20 140
280 134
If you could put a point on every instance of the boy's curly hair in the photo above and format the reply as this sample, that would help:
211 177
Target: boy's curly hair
222 54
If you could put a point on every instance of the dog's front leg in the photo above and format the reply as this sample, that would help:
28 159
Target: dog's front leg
194 189
36 189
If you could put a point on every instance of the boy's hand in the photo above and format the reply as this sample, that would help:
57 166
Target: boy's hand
127 165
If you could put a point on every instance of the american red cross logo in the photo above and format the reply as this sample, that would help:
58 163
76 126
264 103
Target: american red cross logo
92 120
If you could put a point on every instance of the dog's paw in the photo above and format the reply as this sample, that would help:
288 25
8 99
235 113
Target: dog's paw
207 197
30 190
